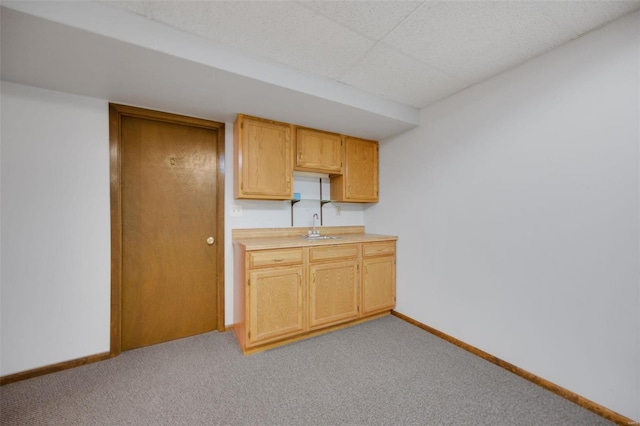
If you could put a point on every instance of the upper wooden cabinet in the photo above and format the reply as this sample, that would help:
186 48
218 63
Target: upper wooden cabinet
265 157
359 180
318 151
263 164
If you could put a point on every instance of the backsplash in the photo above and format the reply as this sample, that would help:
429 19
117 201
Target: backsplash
278 214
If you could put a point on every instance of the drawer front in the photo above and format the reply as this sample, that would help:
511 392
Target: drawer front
379 249
346 251
260 259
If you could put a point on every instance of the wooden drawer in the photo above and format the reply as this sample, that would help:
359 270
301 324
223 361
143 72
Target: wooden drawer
379 249
346 251
260 259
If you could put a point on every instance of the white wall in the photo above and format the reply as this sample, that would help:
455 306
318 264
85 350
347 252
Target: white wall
517 207
55 283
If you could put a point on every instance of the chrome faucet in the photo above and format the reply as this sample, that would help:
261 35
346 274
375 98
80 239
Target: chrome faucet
314 232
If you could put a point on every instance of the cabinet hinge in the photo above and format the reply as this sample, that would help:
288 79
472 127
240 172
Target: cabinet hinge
242 125
249 281
249 335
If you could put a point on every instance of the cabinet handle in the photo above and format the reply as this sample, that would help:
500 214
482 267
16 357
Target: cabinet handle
278 260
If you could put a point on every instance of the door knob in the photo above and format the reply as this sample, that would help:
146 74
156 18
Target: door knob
211 240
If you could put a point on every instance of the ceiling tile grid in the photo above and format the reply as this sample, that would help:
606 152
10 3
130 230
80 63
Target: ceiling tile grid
474 40
582 16
373 19
284 32
397 76
412 52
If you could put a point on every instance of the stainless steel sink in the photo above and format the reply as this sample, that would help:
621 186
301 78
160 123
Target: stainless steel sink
319 237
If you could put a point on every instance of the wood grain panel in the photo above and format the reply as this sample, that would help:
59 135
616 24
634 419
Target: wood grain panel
168 212
275 304
263 159
318 254
378 284
333 294
379 249
260 259
318 151
117 113
359 180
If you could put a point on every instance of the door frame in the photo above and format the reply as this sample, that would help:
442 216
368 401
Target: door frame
116 112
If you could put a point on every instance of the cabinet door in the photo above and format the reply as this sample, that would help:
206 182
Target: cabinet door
359 181
378 284
333 293
264 164
275 304
318 151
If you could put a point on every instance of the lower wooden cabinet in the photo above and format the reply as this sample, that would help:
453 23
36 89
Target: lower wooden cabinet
334 287
379 277
286 294
275 304
378 285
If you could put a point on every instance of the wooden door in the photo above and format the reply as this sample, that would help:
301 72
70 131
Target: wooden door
169 248
333 293
318 151
275 304
263 159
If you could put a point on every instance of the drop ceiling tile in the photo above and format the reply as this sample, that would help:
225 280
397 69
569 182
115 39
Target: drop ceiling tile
373 19
284 32
429 48
139 7
583 16
475 40
396 76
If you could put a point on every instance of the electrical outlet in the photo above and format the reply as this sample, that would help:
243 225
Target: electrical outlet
338 210
236 211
